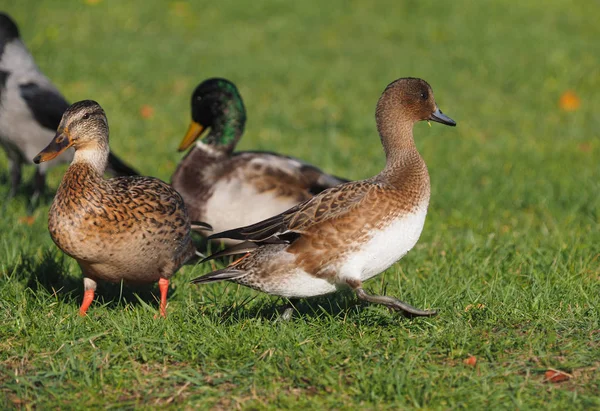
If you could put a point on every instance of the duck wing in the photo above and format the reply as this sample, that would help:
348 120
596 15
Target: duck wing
289 175
319 180
46 105
330 204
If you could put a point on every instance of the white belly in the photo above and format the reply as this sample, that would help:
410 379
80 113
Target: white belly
385 247
235 204
301 285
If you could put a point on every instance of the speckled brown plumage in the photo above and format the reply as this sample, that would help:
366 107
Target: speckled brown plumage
350 233
92 219
132 229
227 189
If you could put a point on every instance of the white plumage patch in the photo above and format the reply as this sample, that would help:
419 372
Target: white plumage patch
284 164
301 284
385 247
225 211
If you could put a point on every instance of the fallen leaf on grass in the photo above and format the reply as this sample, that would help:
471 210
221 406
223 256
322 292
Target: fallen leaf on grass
553 375
471 306
585 147
29 220
146 111
569 101
471 361
180 8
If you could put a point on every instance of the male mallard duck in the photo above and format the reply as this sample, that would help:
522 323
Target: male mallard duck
349 233
228 189
134 229
30 111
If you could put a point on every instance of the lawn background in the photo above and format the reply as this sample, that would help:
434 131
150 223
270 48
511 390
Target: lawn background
510 250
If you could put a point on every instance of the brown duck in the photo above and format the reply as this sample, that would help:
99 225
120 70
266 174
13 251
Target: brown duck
350 233
132 229
230 189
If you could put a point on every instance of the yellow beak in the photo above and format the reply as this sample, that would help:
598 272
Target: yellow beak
60 142
194 131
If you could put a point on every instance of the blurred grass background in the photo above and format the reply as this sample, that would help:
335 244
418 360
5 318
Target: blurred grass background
513 220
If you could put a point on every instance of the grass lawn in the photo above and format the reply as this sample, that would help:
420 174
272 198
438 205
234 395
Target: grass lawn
510 253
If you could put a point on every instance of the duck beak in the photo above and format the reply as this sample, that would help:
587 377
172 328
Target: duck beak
440 117
194 131
60 142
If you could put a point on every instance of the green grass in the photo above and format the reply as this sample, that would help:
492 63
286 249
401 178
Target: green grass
510 251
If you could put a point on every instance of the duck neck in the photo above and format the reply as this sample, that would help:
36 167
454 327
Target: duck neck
396 137
228 128
404 165
93 155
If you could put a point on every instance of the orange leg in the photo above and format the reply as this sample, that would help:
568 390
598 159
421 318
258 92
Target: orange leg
163 286
88 297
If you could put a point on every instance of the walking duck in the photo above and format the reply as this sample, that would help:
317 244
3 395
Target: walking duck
230 189
349 233
133 229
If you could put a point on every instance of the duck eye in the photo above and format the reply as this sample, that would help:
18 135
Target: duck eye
86 116
424 95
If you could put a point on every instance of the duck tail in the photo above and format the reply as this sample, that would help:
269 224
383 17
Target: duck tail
119 168
336 180
241 248
223 274
201 226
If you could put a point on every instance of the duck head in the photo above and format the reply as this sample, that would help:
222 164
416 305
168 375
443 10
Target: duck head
403 103
216 104
83 126
409 100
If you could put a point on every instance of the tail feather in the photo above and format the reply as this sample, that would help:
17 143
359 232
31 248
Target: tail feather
336 180
241 248
223 274
119 168
320 181
201 226
229 234
326 181
257 232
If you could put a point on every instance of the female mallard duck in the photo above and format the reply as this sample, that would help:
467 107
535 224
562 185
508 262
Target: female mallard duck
351 232
227 189
134 229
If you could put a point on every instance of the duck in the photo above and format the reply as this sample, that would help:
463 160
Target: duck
31 108
350 233
228 189
133 229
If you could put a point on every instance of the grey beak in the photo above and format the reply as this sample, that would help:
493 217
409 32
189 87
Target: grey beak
440 117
